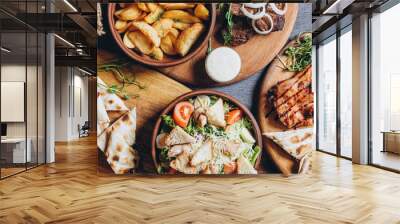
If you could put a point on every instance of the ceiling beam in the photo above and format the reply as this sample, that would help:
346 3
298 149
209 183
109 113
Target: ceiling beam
90 31
81 61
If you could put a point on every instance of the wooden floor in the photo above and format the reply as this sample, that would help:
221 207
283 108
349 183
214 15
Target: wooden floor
387 159
10 171
71 191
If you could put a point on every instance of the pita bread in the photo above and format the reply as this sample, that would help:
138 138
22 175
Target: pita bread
116 127
111 101
116 142
216 115
109 107
178 137
102 139
115 114
120 155
103 120
125 125
297 143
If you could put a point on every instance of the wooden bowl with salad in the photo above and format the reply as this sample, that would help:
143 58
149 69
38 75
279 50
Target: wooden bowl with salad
161 34
206 132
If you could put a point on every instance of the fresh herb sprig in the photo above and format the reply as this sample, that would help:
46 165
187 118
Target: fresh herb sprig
228 35
116 67
298 55
119 90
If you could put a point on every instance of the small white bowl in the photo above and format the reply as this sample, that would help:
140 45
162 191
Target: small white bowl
223 64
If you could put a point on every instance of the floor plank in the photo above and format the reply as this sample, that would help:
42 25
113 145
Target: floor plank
71 191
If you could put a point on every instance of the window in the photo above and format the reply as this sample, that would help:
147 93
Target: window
385 89
394 102
346 92
22 75
334 101
327 95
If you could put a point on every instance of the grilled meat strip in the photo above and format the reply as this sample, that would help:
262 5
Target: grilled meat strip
305 123
291 119
302 83
293 100
298 106
283 86
283 108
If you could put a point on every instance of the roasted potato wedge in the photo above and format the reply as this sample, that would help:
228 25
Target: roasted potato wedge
132 28
171 6
130 12
187 38
141 42
202 12
121 26
154 15
128 43
167 45
143 7
181 26
118 12
142 16
173 32
162 26
149 32
152 6
181 16
157 54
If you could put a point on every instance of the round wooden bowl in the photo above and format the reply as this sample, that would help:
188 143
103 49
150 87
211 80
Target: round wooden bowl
168 60
168 110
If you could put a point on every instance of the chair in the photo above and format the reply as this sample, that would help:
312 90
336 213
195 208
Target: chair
84 130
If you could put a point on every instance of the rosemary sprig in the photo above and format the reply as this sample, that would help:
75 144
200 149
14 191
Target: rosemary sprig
119 90
116 67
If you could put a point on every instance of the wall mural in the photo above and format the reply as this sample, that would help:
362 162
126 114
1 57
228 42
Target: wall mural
192 88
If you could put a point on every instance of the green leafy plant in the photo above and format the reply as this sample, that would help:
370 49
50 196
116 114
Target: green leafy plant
167 123
228 35
298 55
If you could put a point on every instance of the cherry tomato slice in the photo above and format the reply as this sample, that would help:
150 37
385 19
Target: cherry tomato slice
233 116
182 113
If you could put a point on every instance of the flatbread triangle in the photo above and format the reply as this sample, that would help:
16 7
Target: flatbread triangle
297 143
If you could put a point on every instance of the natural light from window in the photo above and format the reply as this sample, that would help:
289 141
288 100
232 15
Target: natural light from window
385 83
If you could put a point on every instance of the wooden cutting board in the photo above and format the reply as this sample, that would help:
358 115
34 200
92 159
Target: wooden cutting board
158 93
259 51
269 122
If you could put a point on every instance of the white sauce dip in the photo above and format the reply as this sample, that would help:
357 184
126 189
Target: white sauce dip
223 64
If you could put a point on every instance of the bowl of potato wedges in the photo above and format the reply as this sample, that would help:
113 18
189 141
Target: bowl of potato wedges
161 34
